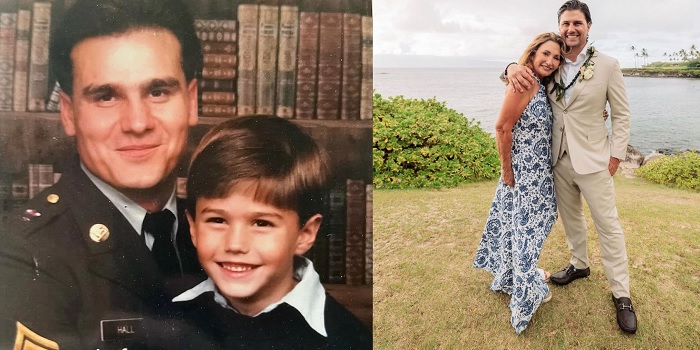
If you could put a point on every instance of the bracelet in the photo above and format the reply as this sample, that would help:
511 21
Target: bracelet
505 73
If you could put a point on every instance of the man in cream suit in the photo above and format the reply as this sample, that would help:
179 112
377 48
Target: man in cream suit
584 157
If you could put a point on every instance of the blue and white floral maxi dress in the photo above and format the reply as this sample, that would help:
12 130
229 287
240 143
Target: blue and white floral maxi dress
521 217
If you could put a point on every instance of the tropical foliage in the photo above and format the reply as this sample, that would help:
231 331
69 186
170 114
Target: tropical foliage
682 58
424 144
680 170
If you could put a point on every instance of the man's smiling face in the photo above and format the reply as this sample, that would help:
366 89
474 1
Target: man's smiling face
574 28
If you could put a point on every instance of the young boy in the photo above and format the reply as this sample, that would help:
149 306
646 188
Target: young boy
255 197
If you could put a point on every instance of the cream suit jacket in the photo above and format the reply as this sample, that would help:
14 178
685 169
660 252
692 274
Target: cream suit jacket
589 145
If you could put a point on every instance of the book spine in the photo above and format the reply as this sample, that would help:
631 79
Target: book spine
218 47
212 30
247 57
218 40
45 176
268 31
307 69
218 110
20 191
219 97
329 65
37 89
352 67
8 40
218 60
24 22
54 99
287 61
369 235
218 73
33 176
336 236
216 85
367 92
355 233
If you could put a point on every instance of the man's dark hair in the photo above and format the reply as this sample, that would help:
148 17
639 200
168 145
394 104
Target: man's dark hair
96 18
573 5
268 157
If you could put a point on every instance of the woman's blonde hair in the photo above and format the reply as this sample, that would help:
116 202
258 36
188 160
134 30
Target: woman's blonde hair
529 53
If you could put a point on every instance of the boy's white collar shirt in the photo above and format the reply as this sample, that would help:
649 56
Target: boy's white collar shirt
308 296
133 212
569 70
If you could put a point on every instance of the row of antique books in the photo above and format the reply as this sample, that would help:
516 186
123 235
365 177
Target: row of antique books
25 28
293 59
302 59
343 252
217 83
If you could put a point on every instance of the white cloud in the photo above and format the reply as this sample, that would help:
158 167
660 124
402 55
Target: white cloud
499 30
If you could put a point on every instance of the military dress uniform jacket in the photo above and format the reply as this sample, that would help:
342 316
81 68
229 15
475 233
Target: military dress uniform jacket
74 272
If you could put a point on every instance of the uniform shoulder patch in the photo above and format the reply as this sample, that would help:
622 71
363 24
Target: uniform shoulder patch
27 339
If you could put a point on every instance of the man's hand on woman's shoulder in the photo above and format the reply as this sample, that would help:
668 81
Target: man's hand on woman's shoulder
519 77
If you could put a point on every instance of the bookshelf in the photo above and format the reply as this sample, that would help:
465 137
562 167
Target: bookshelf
306 60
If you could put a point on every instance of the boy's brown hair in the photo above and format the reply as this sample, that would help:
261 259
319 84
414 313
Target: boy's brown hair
266 156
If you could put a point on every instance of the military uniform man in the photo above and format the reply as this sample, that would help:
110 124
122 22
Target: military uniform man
89 257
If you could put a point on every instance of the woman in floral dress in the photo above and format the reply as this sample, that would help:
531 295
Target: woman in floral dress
524 208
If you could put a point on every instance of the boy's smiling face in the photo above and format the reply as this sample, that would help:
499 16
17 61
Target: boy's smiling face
247 248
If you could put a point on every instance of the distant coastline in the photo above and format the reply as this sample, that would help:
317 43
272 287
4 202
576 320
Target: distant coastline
661 73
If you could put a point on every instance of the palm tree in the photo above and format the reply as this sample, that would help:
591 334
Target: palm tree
683 54
635 56
645 54
694 51
665 55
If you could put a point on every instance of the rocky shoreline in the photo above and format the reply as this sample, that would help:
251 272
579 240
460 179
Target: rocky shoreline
634 158
635 72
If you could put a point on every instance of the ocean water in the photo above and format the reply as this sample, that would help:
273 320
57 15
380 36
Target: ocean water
665 112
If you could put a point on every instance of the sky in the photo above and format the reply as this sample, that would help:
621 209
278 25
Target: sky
489 33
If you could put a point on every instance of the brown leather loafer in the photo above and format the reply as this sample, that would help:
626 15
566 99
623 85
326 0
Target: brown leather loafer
626 318
569 274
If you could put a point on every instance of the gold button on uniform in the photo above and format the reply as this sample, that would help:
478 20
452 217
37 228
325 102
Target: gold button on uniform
52 198
99 233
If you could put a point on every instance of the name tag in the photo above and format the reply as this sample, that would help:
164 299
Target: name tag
121 329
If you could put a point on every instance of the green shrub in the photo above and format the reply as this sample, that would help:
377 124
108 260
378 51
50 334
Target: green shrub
423 144
680 170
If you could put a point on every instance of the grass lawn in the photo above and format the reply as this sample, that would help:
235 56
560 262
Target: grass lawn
427 295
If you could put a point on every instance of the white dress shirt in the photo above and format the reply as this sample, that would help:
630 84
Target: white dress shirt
570 68
133 212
